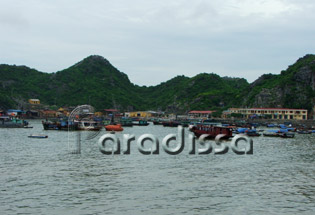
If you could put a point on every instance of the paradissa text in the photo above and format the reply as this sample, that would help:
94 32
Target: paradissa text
110 144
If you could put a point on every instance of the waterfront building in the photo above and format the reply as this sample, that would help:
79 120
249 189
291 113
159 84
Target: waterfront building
269 113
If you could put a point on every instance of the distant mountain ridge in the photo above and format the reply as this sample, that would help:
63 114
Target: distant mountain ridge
95 81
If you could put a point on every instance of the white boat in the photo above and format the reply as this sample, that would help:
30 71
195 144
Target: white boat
37 136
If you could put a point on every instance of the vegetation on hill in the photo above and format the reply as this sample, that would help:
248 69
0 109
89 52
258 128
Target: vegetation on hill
95 81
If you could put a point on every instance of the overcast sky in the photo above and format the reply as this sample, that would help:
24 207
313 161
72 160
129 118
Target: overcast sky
153 41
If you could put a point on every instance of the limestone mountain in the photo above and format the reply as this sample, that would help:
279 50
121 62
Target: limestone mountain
293 88
95 81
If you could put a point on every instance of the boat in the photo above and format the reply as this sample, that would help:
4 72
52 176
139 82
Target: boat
12 122
271 134
140 123
126 122
279 133
248 132
211 131
252 133
271 125
304 132
157 122
287 135
60 124
37 136
117 127
171 123
88 125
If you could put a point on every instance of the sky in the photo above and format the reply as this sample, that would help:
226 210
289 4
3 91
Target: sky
153 41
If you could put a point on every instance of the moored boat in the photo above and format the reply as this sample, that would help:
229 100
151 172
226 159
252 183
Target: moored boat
140 123
211 131
12 122
114 127
37 136
304 132
171 123
89 125
287 135
60 125
126 122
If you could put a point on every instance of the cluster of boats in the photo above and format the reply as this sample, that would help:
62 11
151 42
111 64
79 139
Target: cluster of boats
208 127
92 124
13 122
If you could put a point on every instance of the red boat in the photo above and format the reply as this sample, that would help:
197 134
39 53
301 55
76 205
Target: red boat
114 127
211 130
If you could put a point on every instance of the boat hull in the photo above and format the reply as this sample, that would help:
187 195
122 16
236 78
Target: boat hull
211 131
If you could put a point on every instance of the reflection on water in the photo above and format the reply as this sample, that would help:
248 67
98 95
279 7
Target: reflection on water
41 176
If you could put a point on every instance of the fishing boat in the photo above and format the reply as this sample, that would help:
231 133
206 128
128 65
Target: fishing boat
37 136
12 122
126 122
114 127
248 132
252 133
287 135
140 123
157 122
211 131
271 134
60 124
171 123
88 125
279 133
304 132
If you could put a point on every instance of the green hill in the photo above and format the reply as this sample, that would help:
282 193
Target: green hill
95 81
293 88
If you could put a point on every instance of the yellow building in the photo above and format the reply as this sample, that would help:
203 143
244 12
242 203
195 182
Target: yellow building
272 113
34 101
142 114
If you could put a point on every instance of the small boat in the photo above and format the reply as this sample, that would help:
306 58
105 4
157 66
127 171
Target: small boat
248 132
114 127
271 134
211 131
171 123
126 122
252 134
287 135
12 122
304 132
89 125
37 136
271 125
140 123
157 122
60 125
